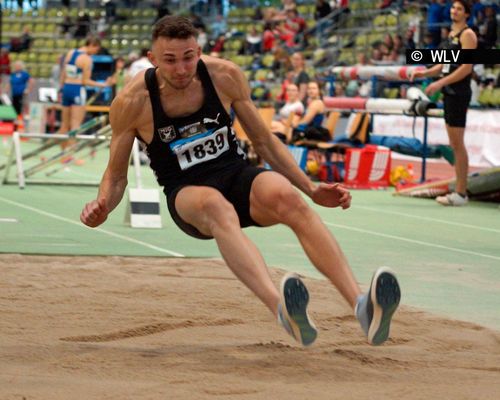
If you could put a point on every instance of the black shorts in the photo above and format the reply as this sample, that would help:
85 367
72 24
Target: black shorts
455 109
235 186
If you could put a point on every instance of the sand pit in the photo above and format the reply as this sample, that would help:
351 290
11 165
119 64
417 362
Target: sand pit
151 328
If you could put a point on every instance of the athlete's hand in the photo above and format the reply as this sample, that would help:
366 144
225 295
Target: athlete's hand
416 74
433 88
94 213
329 195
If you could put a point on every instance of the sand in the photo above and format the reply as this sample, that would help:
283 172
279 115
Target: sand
152 328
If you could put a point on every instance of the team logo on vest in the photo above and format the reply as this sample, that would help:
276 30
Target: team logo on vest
167 134
212 121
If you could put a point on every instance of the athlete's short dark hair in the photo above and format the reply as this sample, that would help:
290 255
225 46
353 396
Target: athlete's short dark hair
174 27
92 41
465 4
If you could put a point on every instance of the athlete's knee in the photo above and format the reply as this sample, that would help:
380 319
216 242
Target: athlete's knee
218 213
290 206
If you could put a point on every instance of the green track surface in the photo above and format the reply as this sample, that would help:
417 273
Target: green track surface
447 259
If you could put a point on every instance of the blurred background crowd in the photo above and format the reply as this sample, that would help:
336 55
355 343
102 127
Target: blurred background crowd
276 42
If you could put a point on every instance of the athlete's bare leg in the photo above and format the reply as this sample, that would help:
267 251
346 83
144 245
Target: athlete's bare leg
274 200
456 137
77 116
65 120
208 210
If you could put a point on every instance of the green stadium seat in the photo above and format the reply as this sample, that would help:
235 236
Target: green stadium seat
495 101
115 29
44 58
486 96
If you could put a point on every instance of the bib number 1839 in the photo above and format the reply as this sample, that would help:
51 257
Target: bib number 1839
201 149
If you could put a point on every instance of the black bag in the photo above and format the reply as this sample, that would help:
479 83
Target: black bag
311 133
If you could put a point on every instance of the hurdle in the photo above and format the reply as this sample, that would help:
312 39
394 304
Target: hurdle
86 141
23 174
48 143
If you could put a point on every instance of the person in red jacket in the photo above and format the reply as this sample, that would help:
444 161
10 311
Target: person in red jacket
4 69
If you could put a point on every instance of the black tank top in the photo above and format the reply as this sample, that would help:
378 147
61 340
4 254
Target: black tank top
460 87
185 150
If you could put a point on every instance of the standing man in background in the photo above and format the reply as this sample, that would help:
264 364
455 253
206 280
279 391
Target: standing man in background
455 86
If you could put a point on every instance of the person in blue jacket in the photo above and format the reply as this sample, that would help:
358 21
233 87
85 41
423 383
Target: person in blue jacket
21 84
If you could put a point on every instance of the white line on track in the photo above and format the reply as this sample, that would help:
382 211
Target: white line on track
438 246
109 233
442 221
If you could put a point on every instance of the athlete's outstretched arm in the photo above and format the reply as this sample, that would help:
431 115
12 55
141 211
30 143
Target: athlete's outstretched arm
114 180
271 149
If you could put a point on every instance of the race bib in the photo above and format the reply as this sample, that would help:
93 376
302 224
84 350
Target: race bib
71 71
200 148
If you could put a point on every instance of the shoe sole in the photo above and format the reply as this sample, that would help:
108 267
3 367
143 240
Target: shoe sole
295 297
385 295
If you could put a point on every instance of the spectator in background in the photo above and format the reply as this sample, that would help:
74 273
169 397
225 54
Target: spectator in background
66 27
489 38
321 11
219 27
82 26
253 41
282 127
139 65
389 42
21 84
161 9
434 19
299 74
268 38
409 41
26 39
4 68
218 46
429 41
477 7
258 15
384 4
281 60
110 11
446 19
398 44
197 21
202 39
310 125
445 32
118 79
294 22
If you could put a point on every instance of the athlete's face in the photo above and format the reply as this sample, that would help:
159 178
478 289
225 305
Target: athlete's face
457 12
176 60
